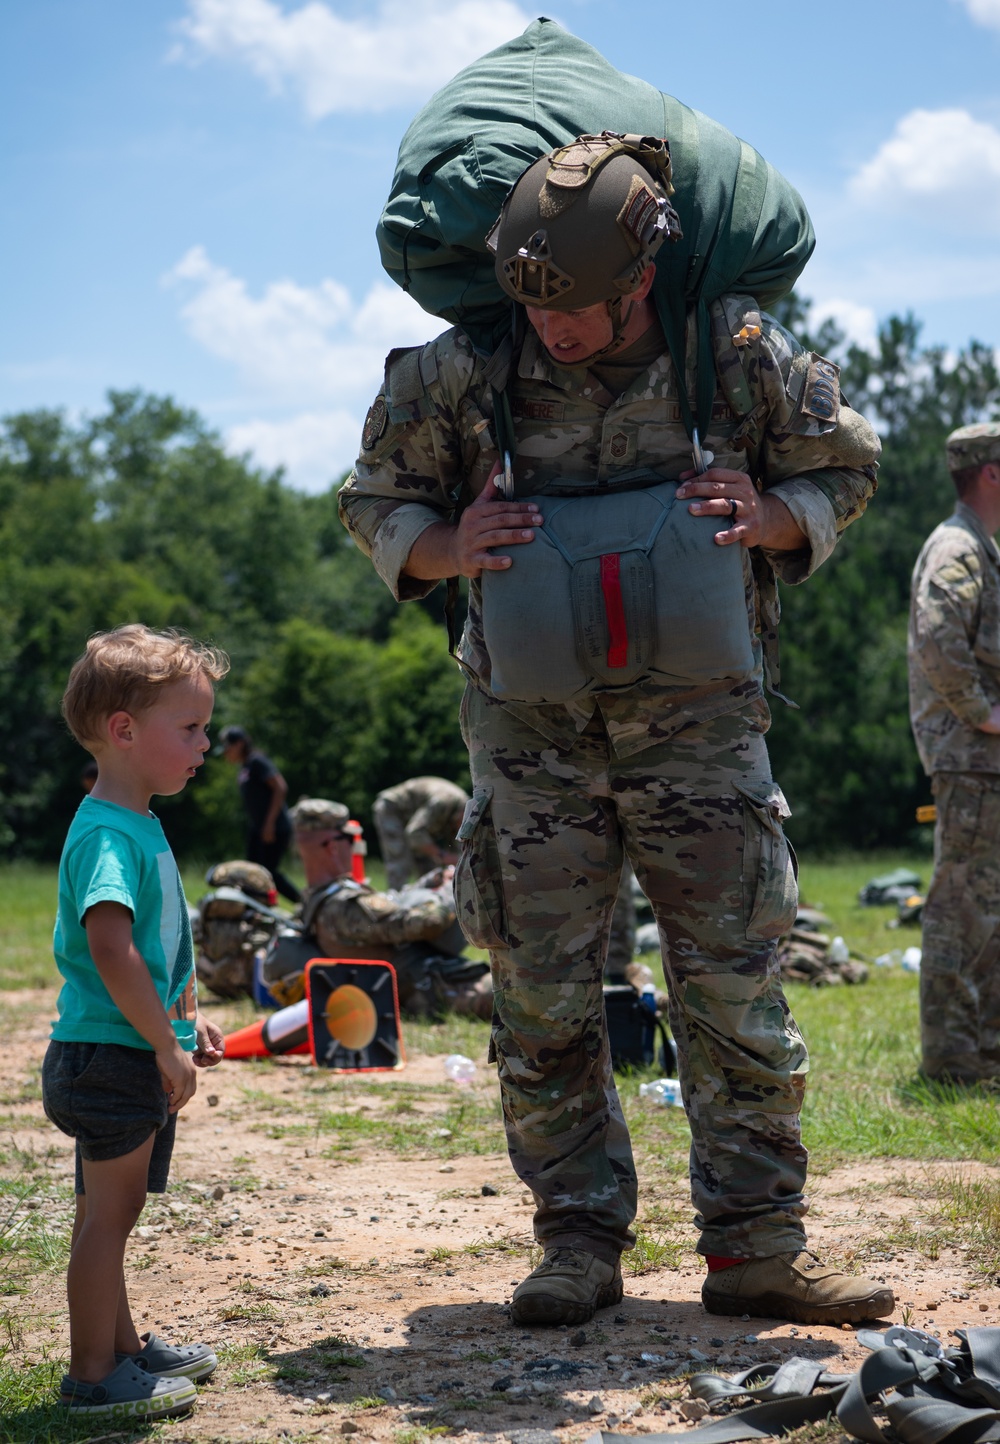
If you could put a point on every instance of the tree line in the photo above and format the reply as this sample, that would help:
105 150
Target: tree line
140 514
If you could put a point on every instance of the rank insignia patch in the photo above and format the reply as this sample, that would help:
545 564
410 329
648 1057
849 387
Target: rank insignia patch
619 446
375 423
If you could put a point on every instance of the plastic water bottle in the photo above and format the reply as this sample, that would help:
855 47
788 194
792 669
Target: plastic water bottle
891 959
665 1091
459 1069
838 951
911 960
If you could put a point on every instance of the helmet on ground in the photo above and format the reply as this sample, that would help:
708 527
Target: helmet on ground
248 877
582 224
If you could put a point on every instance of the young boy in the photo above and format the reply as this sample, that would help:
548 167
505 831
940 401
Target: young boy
128 1039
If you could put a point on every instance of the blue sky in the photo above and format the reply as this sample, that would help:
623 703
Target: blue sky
192 186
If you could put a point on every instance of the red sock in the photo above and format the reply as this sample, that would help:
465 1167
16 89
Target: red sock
716 1262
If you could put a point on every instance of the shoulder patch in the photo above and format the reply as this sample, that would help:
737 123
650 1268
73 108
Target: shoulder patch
375 423
821 392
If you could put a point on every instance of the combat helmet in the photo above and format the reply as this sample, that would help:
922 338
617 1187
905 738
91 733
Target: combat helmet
582 224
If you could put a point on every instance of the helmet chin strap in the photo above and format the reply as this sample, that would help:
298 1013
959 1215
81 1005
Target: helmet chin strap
618 324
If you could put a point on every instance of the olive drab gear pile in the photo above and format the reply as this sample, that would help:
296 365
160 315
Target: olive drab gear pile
233 923
745 228
633 588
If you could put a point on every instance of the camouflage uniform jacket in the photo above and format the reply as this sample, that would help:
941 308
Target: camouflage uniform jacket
428 805
954 646
428 448
354 915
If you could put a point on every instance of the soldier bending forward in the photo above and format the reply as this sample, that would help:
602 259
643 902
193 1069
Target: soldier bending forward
672 774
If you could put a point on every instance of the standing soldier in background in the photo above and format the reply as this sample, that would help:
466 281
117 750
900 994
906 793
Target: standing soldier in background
416 822
954 658
675 772
263 791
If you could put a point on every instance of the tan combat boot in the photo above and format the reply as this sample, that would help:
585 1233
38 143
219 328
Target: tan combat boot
795 1286
567 1287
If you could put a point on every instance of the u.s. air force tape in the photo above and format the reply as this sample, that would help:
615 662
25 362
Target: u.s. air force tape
821 393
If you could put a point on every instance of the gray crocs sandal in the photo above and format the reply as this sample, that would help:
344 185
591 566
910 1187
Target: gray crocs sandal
190 1361
128 1393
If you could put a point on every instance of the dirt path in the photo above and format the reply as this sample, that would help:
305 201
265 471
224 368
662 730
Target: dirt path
349 1289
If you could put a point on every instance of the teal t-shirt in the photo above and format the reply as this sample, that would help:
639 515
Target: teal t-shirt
115 855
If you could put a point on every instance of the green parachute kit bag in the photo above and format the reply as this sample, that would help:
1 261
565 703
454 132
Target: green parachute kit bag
746 229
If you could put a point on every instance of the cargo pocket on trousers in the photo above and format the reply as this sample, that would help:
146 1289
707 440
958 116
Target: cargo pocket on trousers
479 900
770 870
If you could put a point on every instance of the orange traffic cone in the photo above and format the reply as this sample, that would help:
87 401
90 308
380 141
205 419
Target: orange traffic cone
286 1031
359 851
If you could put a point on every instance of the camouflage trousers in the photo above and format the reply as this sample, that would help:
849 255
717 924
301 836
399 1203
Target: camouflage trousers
960 967
543 842
400 862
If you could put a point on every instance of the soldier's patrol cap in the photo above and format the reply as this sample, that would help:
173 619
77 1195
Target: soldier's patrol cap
317 814
973 445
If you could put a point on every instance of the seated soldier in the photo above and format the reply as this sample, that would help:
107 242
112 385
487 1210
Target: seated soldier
414 929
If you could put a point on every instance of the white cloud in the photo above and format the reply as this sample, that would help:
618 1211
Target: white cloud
984 12
297 342
298 346
314 448
941 164
857 322
396 55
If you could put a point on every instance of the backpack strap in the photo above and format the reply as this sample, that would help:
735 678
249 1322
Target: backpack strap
738 370
317 899
496 372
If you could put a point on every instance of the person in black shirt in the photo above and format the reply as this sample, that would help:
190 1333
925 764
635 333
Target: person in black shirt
263 789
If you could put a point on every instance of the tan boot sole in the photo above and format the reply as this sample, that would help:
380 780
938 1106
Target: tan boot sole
779 1306
548 1310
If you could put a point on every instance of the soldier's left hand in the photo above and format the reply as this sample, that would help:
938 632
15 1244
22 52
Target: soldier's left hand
756 520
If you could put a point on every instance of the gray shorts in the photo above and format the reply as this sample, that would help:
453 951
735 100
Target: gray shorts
109 1098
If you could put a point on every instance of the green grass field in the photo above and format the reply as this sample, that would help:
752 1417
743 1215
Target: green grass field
865 1099
865 1102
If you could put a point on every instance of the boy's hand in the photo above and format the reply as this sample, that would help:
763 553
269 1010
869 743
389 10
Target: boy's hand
211 1047
180 1078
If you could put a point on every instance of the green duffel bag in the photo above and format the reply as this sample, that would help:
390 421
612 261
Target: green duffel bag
616 590
746 229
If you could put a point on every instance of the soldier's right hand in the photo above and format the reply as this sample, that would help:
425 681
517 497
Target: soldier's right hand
992 723
492 522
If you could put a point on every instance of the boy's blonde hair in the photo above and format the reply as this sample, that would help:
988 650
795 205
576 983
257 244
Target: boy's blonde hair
123 670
